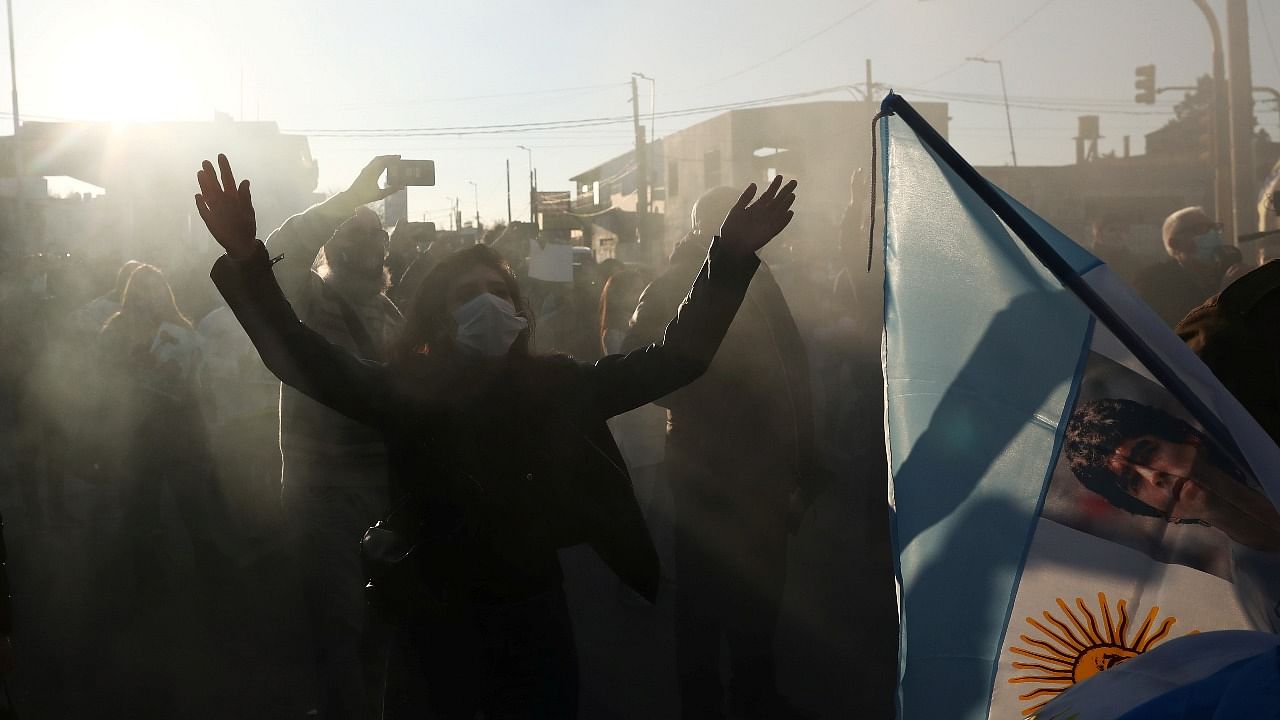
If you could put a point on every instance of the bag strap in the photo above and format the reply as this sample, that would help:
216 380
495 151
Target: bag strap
369 350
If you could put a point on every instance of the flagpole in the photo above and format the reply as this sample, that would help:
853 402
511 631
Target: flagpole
894 104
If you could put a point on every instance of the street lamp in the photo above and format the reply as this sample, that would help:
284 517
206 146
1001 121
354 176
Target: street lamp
476 190
531 183
1007 116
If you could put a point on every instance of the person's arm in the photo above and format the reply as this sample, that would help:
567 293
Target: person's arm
619 383
298 241
299 356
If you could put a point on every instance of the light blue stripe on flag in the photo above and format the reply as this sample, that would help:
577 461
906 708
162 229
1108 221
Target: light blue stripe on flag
983 345
1080 260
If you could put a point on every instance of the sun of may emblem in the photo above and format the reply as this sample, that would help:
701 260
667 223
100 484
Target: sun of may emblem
1067 649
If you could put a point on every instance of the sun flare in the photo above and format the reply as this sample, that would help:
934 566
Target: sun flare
125 72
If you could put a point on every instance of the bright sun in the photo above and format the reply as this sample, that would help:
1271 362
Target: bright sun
1064 655
121 72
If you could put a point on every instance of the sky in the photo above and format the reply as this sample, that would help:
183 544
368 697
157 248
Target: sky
345 68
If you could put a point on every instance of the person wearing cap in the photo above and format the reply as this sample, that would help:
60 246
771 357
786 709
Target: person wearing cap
1191 274
334 484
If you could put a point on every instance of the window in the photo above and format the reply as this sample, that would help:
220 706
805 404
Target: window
673 178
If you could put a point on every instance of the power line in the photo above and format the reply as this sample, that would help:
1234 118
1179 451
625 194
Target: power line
1065 103
508 128
1035 106
828 28
467 98
1015 28
991 45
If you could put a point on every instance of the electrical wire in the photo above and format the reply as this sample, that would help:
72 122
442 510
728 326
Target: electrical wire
507 128
1046 105
1015 28
468 98
990 45
795 46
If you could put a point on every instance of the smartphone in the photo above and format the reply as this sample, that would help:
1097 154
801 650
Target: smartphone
411 172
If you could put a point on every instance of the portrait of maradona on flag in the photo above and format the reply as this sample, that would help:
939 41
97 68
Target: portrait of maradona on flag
1149 531
1136 469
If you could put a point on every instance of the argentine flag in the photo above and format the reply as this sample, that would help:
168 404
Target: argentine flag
1071 487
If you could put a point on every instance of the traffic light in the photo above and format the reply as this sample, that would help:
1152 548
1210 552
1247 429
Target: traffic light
1205 136
1145 83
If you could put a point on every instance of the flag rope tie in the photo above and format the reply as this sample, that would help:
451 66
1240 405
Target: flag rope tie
875 170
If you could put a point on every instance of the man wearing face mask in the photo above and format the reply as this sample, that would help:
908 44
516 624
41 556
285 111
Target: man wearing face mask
334 484
1174 287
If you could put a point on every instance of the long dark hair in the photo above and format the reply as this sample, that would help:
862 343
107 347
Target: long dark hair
427 324
122 280
148 301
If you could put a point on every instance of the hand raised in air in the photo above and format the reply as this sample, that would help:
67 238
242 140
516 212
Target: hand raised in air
751 225
227 210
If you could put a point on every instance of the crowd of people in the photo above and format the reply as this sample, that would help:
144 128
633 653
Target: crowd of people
391 531
184 522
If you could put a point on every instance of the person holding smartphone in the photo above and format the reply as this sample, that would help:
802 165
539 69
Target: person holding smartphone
504 453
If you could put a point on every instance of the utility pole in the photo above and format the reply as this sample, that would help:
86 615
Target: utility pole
1220 150
653 100
642 170
532 183
508 192
1008 117
1241 74
19 225
475 189
871 97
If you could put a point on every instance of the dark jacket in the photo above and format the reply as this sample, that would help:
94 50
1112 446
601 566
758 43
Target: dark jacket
752 413
1172 290
508 469
1237 334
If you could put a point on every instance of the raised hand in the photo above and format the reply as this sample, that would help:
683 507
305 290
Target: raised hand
750 226
227 210
364 189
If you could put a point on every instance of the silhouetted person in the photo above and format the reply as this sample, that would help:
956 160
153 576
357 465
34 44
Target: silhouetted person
92 316
1109 241
739 454
334 484
641 433
148 352
1190 275
1237 334
408 241
243 411
505 455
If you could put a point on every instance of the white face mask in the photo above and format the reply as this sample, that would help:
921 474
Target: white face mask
488 325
